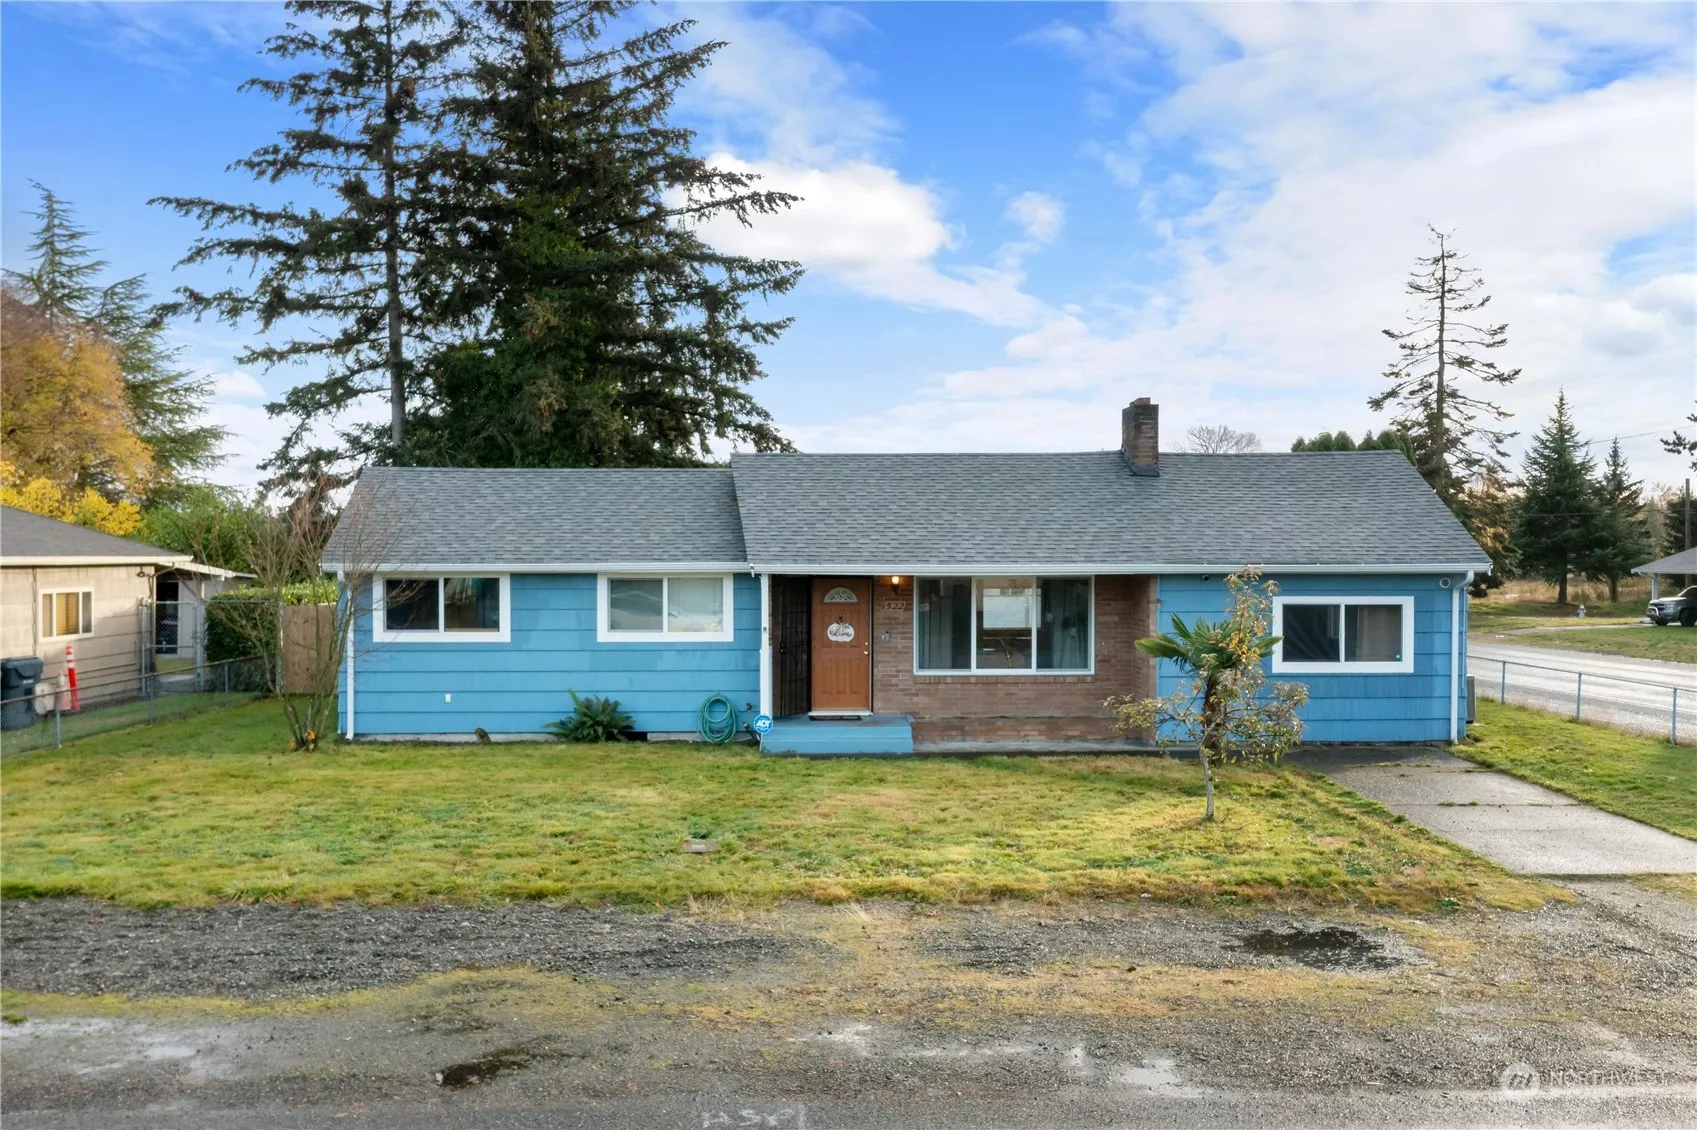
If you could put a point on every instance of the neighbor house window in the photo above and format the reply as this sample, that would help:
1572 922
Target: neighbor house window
442 608
1345 635
1002 625
67 614
665 609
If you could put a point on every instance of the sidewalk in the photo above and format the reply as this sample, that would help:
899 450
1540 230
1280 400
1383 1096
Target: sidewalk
1522 826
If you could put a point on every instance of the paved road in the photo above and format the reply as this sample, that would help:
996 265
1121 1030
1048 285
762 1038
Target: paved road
1619 691
1522 826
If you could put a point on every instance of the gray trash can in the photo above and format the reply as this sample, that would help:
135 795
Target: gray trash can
18 676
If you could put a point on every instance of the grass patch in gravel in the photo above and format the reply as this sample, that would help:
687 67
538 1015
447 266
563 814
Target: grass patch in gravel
1635 776
212 808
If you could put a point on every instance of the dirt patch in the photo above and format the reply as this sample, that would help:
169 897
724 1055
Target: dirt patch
267 950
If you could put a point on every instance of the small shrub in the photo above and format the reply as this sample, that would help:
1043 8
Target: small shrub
594 719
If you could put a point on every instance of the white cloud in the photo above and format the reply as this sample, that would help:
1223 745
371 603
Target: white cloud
785 109
237 384
1305 149
1039 214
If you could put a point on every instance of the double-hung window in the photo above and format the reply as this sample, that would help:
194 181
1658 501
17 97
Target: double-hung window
442 609
1002 625
67 614
665 609
1353 635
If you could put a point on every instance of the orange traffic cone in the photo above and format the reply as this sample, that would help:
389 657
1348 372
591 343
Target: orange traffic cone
71 676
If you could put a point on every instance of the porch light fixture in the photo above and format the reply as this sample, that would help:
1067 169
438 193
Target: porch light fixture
895 581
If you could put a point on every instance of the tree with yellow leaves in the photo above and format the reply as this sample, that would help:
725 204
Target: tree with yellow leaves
46 497
65 416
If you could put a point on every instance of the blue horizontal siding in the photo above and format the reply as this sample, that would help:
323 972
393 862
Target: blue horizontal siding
521 686
1349 708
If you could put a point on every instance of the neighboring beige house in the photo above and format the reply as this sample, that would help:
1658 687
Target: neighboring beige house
63 586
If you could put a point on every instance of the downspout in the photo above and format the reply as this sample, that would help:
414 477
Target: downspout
353 626
1455 657
766 644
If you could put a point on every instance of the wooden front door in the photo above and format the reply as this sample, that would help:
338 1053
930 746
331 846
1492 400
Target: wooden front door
842 645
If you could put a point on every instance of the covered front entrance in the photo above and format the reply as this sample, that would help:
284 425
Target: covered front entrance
822 646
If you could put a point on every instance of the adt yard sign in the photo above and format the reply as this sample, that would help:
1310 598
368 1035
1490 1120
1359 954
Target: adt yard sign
762 723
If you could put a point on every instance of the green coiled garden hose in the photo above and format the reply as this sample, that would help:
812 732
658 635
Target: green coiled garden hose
717 720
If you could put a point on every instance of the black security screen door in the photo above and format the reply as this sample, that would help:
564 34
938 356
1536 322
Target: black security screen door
792 599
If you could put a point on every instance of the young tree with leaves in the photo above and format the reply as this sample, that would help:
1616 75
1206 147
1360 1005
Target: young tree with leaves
353 281
1441 358
612 333
1220 708
166 402
1625 535
1560 528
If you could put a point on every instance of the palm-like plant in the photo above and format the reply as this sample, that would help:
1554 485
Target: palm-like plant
1221 709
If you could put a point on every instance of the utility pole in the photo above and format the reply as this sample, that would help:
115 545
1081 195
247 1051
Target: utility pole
1687 526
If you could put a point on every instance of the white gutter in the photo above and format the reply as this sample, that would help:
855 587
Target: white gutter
1455 657
74 562
485 568
1080 569
766 644
353 625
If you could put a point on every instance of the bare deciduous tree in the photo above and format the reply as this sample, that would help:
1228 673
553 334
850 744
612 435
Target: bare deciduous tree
1218 439
299 630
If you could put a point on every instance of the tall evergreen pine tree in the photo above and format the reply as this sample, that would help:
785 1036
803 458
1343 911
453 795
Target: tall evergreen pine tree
1444 346
613 335
167 403
361 269
1625 542
1560 528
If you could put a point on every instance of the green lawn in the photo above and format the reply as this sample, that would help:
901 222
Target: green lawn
211 807
1487 615
1640 777
1672 643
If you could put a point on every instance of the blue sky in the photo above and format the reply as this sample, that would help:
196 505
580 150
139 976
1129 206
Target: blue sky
1018 217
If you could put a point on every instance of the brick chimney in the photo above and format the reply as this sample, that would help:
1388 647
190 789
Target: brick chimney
1140 436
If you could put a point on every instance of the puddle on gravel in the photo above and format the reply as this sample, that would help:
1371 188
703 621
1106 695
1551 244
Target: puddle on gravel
1328 947
475 1072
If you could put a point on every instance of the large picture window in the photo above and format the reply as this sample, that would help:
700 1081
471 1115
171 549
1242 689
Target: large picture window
1002 625
1343 635
65 614
442 609
662 609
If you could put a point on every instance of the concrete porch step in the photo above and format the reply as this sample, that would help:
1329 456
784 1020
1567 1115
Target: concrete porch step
873 735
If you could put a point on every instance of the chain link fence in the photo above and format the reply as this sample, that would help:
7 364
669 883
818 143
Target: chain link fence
1660 709
54 714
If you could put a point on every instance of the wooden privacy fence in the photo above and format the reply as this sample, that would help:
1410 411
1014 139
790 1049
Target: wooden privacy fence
306 629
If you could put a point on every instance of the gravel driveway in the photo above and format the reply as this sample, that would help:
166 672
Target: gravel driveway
860 1015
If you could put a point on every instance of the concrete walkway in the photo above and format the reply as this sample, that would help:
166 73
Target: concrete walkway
1521 826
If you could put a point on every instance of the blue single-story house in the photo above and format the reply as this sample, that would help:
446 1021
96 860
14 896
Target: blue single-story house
886 603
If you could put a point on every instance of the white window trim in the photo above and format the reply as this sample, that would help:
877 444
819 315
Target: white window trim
972 648
1404 666
380 632
88 629
603 611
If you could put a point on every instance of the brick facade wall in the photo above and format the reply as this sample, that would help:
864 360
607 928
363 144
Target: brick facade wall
1013 707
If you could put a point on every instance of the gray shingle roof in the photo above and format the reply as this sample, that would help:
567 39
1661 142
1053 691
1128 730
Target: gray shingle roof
972 512
952 512
544 517
27 538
